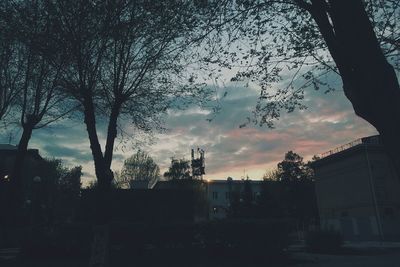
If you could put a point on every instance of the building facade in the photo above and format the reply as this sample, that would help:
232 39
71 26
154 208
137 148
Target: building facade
214 195
221 192
358 191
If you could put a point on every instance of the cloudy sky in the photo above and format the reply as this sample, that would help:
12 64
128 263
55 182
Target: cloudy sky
328 122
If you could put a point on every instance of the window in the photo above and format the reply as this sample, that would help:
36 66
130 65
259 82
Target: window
227 195
215 195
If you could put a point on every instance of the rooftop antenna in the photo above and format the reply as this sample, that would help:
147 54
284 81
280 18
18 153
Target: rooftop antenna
198 164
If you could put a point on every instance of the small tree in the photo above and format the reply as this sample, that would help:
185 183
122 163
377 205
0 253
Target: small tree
269 204
292 168
68 194
298 192
271 175
138 167
179 170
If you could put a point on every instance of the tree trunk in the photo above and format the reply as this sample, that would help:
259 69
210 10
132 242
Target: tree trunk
369 81
103 174
100 245
111 133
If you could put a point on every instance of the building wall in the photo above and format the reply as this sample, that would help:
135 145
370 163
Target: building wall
219 194
358 194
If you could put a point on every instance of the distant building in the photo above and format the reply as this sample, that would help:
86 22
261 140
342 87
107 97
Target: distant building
358 191
30 169
7 158
221 192
217 194
196 189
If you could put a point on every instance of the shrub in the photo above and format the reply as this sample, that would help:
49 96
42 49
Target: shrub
270 236
69 240
326 241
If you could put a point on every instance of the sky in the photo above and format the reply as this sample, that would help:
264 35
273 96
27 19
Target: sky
230 151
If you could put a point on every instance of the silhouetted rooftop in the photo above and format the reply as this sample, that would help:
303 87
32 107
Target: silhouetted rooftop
7 147
11 150
232 181
369 140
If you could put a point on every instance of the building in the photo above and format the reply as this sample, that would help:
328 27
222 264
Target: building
31 162
9 152
215 195
31 168
220 194
358 191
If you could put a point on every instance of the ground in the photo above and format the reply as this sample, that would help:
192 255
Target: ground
354 255
388 259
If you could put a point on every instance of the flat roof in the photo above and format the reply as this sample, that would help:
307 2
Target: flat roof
371 142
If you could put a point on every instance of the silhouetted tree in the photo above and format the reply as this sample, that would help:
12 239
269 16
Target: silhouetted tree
242 201
292 168
269 204
248 200
68 194
124 61
271 175
10 67
138 167
60 188
296 180
32 73
308 40
179 170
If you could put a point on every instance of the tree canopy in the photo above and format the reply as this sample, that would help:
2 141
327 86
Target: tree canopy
138 167
178 170
287 47
125 60
291 169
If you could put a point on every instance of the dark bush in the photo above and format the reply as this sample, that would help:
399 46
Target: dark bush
69 240
252 234
232 240
269 236
324 241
